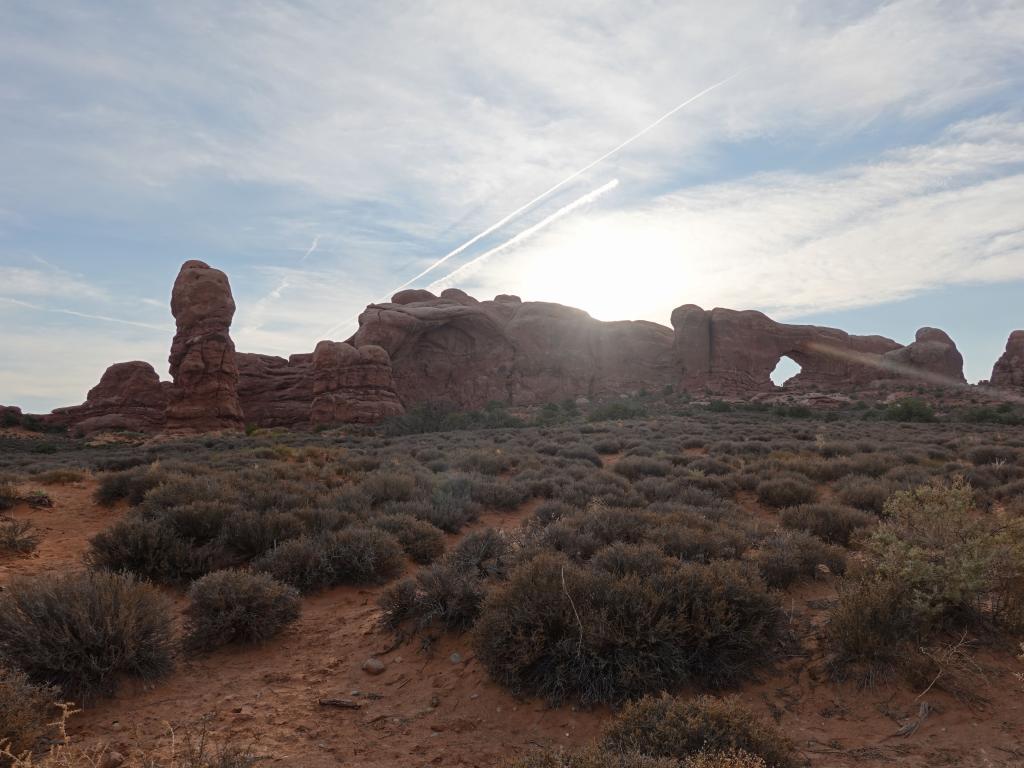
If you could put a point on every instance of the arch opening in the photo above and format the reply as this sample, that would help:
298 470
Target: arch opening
785 370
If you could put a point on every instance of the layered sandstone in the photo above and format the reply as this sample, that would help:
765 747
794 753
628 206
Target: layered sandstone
202 360
352 385
1008 372
129 396
274 392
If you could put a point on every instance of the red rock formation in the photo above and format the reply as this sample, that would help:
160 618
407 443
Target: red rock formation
202 360
129 396
458 350
1008 372
10 415
352 385
275 392
732 352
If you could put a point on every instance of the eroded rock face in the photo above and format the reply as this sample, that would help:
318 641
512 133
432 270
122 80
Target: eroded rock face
129 396
202 360
1008 372
352 385
275 392
468 352
10 414
734 352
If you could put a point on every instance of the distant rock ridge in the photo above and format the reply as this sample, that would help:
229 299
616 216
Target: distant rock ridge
1008 372
421 347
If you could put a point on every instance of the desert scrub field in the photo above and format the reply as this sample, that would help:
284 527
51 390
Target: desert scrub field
650 551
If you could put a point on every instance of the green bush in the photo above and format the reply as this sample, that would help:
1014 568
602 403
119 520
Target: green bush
909 409
682 728
452 505
81 631
563 631
864 493
237 606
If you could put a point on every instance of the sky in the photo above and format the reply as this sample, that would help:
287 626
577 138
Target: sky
857 164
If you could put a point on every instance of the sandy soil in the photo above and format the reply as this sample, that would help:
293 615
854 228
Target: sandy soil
440 709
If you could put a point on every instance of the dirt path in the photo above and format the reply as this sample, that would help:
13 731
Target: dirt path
439 709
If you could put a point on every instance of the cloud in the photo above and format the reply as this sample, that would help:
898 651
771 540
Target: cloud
48 281
931 215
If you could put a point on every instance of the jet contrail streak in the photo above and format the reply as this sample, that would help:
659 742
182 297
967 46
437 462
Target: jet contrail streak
73 313
316 242
528 232
551 190
581 201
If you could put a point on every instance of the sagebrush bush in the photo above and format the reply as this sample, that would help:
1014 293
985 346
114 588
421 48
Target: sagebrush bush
363 556
590 758
131 485
149 549
237 606
864 493
683 728
452 505
785 492
27 712
82 630
440 595
833 523
301 563
563 631
8 493
635 467
250 534
422 541
788 556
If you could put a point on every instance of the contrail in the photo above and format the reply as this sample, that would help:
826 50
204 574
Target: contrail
581 201
316 242
73 313
551 190
587 198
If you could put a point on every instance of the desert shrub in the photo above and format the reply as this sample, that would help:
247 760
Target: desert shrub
933 565
608 445
8 493
82 630
176 489
384 486
199 522
622 409
683 728
129 484
452 505
785 492
149 549
635 467
833 523
439 595
60 476
789 556
550 511
301 563
483 553
709 466
590 758
237 606
27 712
362 556
485 462
864 493
993 454
581 452
18 536
909 409
564 631
250 534
621 559
499 494
421 541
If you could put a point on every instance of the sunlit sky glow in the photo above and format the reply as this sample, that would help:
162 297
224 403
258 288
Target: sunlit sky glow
863 168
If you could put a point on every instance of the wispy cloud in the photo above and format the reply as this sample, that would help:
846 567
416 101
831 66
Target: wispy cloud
85 315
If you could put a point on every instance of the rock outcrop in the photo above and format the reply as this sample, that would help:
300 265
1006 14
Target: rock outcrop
1008 372
733 352
275 392
352 385
467 352
129 396
202 359
10 415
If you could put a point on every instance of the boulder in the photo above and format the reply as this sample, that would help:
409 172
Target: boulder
1008 372
932 357
202 360
412 296
352 385
129 396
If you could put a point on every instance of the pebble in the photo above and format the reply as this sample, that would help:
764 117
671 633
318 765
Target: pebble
373 666
112 760
456 658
